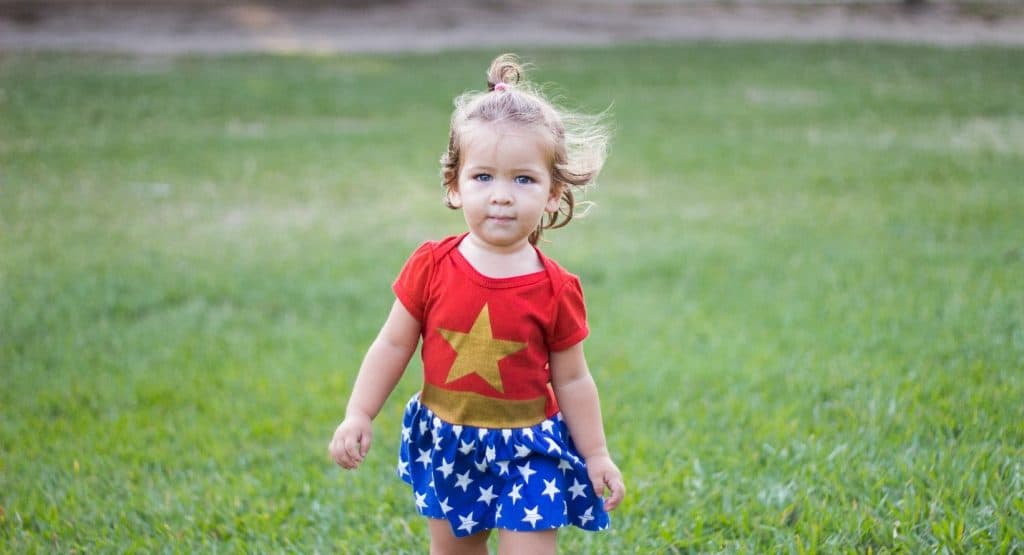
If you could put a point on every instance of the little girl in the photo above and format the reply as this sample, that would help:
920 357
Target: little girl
506 432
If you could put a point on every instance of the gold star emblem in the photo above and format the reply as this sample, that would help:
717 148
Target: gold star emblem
478 351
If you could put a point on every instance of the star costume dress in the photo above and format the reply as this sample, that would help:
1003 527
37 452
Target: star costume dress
483 444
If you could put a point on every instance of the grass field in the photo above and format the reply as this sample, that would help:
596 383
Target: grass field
805 275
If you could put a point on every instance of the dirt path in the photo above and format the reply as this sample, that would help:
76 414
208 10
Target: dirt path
168 28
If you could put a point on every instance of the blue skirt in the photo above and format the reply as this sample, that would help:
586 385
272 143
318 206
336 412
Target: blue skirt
521 479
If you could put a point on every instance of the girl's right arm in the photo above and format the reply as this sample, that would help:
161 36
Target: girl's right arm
380 371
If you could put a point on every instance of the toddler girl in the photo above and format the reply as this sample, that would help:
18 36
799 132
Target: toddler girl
506 432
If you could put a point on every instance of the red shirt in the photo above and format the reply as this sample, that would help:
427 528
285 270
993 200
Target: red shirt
489 337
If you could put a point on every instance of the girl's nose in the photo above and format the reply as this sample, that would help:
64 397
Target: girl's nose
501 193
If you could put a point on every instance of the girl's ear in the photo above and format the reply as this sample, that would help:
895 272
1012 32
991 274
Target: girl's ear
452 198
555 199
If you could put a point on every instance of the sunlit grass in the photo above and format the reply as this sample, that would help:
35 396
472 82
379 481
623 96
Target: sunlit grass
803 273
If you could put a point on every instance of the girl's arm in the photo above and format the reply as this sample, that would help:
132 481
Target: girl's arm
577 397
380 371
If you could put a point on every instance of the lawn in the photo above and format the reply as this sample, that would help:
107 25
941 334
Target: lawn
804 270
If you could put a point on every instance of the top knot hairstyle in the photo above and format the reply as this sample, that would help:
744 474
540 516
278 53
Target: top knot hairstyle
579 143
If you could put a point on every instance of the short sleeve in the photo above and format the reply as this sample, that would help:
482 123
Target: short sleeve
570 321
411 286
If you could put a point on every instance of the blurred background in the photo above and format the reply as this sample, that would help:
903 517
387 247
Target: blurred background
359 26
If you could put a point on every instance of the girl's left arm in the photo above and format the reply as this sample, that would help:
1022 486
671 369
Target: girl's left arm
577 398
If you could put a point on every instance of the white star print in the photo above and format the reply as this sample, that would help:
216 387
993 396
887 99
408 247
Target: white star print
506 434
514 495
550 490
586 517
424 457
423 427
522 451
552 446
466 448
487 495
421 501
481 466
437 422
526 472
497 513
445 507
577 489
482 433
437 441
502 467
564 466
463 481
466 522
528 432
446 468
402 468
491 453
406 433
457 429
532 516
547 426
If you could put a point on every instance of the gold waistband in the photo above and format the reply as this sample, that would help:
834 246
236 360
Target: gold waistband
473 409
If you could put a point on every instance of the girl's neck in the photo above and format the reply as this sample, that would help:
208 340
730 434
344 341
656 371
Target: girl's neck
500 262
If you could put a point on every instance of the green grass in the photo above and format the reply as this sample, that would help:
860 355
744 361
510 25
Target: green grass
805 275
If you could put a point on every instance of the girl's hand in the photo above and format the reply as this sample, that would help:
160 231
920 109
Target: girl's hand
604 474
351 441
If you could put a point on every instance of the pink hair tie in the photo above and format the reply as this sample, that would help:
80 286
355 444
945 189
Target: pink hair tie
501 87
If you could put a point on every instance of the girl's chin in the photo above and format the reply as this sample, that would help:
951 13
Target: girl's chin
501 238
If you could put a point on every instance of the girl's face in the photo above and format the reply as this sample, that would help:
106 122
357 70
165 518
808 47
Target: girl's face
504 184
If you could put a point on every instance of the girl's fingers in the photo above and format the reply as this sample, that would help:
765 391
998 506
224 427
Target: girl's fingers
608 481
618 492
350 444
341 456
352 449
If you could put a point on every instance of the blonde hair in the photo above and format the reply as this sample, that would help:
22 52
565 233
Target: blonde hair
579 142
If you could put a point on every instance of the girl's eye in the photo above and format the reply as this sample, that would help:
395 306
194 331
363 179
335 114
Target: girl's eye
483 177
524 180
